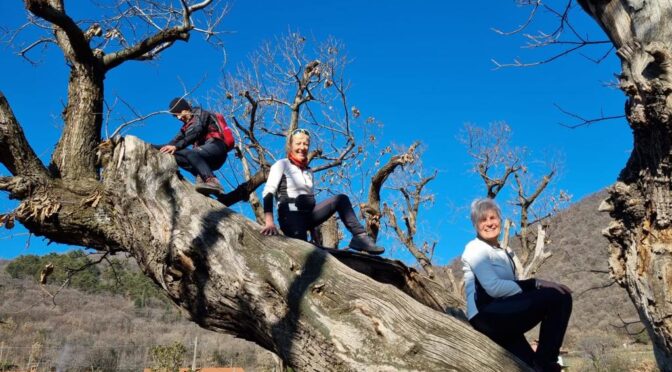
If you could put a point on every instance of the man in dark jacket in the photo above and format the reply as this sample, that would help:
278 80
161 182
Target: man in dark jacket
209 150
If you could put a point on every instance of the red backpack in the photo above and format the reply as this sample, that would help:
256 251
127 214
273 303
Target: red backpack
223 132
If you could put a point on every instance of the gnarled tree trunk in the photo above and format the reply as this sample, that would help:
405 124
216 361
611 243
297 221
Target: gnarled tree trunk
641 201
286 295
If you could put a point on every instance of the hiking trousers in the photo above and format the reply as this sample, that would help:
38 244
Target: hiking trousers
505 321
295 224
202 160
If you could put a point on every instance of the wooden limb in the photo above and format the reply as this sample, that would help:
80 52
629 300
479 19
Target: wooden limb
540 254
372 207
73 41
151 46
243 191
147 48
424 289
15 152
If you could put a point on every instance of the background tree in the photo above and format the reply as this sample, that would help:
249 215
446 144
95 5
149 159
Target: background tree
286 295
498 162
641 201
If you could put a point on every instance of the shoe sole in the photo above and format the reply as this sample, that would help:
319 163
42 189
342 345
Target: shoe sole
364 251
209 190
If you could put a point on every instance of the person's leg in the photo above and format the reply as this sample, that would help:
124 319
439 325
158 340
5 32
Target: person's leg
182 159
558 308
518 314
341 204
497 328
293 224
214 153
192 162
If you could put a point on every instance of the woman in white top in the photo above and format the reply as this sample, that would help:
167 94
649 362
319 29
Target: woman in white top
504 308
290 181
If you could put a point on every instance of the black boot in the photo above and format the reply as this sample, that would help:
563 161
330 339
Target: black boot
364 243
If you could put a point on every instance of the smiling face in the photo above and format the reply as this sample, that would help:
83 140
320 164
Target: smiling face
183 116
298 146
489 226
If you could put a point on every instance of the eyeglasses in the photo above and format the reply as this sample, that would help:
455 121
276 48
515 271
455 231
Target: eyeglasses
300 131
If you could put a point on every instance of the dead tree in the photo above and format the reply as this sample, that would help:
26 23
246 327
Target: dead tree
288 296
495 161
283 87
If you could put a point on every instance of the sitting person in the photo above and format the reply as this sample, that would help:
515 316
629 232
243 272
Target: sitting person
209 150
291 182
504 308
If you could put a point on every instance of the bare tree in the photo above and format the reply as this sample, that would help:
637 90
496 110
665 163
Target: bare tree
305 304
496 161
289 83
640 202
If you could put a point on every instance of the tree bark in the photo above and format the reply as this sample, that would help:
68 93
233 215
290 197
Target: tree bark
641 202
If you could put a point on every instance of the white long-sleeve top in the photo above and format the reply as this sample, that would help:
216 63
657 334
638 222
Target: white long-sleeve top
494 269
286 180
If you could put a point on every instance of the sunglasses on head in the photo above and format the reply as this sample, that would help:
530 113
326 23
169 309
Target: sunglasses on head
300 131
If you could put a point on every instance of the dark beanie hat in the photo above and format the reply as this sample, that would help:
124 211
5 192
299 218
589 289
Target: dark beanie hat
177 105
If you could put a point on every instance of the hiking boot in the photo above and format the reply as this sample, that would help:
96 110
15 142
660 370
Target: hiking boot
210 186
364 243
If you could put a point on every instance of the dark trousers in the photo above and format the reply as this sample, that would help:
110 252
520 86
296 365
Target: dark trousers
202 160
505 321
295 224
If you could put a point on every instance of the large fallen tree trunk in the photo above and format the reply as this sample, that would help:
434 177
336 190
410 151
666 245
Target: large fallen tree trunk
286 295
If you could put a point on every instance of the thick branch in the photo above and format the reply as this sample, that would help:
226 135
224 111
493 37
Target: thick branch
243 191
142 50
372 208
76 41
15 152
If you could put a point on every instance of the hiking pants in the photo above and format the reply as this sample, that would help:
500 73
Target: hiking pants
505 321
202 160
295 224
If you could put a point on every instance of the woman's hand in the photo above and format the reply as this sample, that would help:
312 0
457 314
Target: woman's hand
541 283
269 226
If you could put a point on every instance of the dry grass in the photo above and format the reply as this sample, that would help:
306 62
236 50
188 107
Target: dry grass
102 332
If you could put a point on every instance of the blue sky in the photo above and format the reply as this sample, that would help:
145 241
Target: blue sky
423 69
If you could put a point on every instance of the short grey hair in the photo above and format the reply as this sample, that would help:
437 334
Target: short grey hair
480 206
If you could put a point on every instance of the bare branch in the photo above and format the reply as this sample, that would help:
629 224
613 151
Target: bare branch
15 152
74 43
372 208
149 47
583 121
520 28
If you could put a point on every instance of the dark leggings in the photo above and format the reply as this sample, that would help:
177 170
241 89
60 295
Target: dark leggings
295 224
201 160
505 321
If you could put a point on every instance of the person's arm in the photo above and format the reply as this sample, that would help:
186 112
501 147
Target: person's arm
178 137
196 130
477 257
270 189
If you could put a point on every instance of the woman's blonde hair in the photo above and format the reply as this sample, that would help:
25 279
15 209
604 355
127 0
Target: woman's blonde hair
291 136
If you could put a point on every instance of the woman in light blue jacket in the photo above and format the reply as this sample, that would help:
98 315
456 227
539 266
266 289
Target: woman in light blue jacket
503 307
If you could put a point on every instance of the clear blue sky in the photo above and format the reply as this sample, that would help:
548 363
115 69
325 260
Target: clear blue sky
424 69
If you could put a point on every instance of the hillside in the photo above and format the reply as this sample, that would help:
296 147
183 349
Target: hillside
80 331
579 260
